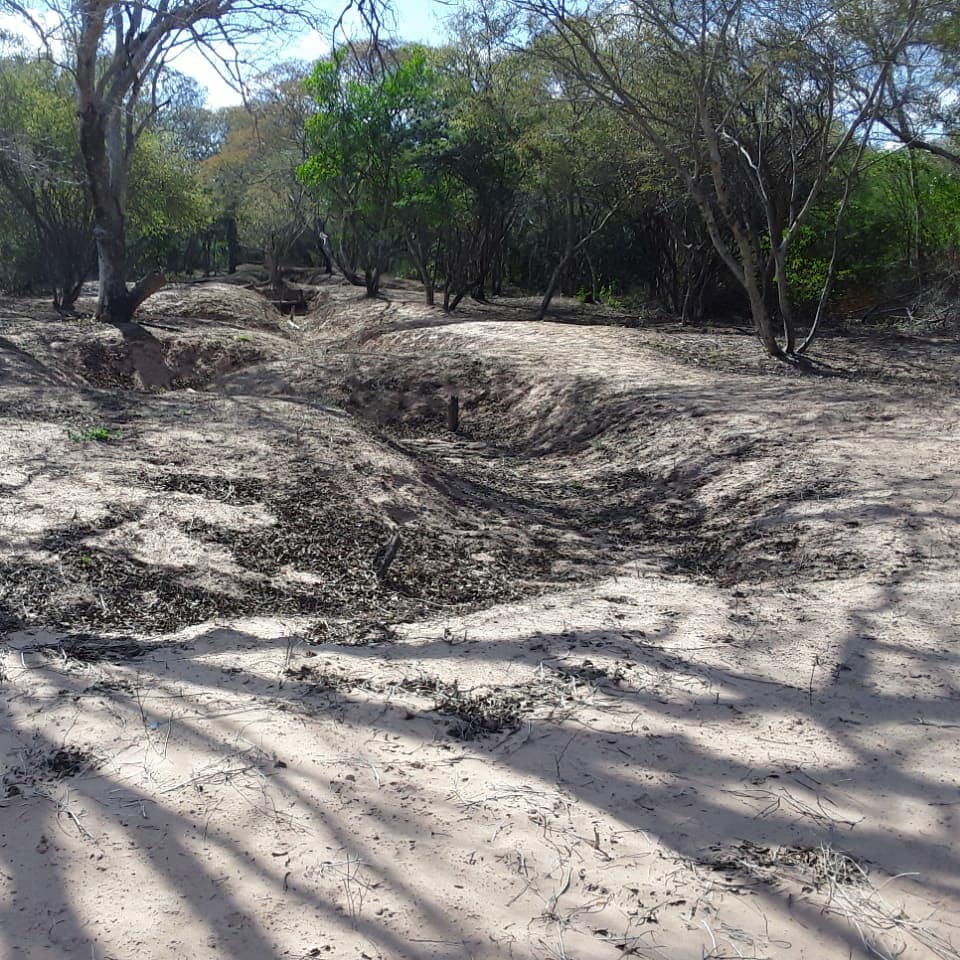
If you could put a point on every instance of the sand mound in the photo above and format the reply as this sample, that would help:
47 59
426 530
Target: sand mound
218 301
137 360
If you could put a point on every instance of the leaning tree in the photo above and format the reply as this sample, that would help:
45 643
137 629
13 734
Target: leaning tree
115 53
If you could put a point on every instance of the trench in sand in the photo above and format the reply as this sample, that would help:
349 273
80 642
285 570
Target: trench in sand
696 703
551 480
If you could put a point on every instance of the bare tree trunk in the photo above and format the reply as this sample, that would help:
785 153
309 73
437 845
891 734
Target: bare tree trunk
101 144
113 304
915 220
273 270
423 273
762 321
594 282
452 302
783 298
324 246
233 244
571 247
554 282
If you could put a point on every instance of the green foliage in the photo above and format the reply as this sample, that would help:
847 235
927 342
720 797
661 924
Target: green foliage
95 435
373 141
607 293
488 161
609 296
167 202
902 221
46 217
47 238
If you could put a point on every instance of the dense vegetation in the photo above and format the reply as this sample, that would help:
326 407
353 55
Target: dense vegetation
761 163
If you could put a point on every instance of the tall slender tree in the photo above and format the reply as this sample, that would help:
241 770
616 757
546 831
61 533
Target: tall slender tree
41 172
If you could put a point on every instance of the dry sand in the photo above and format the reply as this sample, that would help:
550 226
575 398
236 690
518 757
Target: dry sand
666 665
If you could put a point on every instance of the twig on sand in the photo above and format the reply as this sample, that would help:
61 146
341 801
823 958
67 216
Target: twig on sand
387 556
354 886
212 776
929 723
559 757
62 808
555 897
813 670
852 896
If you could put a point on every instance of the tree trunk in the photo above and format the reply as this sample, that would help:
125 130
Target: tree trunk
101 144
569 247
762 321
914 251
419 262
233 245
274 271
783 297
114 303
452 302
324 248
554 282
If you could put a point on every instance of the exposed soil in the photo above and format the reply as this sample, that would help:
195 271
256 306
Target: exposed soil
655 656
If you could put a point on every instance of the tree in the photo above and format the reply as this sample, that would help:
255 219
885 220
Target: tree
921 106
114 53
479 161
902 225
41 173
167 205
750 103
371 138
577 174
252 180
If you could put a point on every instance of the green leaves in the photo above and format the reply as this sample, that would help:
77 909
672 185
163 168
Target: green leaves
46 234
374 143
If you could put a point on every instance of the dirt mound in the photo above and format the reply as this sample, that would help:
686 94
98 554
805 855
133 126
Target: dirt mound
514 407
716 716
214 300
185 336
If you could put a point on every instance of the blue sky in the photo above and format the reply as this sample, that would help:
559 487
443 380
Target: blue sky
420 19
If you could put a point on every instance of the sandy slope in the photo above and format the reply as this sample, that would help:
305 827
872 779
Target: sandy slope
666 665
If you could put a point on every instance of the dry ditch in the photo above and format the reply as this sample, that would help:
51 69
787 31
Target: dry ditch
541 487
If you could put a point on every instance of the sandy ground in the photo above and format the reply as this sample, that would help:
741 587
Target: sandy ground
666 664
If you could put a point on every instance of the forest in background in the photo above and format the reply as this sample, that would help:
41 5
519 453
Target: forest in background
758 169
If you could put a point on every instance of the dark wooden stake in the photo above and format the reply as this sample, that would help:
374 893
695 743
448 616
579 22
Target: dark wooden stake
388 556
453 414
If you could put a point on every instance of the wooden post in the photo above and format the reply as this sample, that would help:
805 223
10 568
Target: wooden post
453 414
387 556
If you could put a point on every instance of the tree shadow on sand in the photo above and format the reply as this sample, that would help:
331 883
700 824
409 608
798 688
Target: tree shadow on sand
676 782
